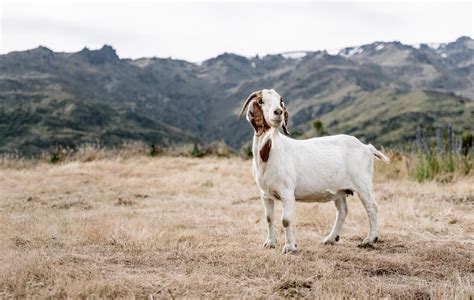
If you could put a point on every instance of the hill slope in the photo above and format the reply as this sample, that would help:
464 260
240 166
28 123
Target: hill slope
379 92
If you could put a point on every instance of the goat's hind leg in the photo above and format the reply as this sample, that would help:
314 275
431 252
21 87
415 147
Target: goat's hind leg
371 207
341 206
269 204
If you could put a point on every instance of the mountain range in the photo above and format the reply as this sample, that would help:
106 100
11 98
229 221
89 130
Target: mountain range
379 92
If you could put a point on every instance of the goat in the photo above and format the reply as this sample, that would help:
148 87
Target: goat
313 170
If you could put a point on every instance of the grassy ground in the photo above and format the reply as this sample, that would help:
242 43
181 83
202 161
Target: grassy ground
183 227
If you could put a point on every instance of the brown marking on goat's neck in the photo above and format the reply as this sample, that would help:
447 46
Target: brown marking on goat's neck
265 151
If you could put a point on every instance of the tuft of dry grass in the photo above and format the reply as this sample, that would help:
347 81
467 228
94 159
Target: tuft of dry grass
181 227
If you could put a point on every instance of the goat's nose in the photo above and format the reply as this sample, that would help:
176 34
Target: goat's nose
278 111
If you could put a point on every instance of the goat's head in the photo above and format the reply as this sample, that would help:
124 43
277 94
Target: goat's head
266 109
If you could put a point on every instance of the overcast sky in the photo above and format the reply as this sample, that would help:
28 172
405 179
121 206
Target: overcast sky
198 31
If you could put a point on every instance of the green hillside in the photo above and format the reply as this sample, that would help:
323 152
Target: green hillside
40 126
390 117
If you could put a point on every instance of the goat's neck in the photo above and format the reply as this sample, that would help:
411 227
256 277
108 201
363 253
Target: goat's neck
272 134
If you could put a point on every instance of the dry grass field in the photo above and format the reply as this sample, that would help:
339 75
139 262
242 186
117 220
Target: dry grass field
181 227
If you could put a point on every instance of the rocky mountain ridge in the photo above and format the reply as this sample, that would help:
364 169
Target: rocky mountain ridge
379 92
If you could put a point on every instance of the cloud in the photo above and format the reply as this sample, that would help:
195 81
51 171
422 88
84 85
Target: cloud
197 31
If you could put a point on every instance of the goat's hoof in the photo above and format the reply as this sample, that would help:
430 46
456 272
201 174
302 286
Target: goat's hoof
367 243
269 244
330 240
289 249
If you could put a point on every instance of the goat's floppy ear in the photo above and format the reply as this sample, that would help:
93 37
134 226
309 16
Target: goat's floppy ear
247 102
285 122
257 120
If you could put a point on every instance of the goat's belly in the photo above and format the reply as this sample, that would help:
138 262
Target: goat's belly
320 197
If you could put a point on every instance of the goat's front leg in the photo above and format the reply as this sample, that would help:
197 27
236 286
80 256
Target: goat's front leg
270 243
287 221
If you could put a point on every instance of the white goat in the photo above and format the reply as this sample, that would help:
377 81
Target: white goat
313 170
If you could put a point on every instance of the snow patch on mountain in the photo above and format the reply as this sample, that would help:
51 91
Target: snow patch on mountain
348 52
294 55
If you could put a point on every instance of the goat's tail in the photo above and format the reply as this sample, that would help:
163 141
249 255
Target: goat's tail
379 154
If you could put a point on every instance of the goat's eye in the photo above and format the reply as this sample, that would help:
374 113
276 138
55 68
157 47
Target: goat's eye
260 101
